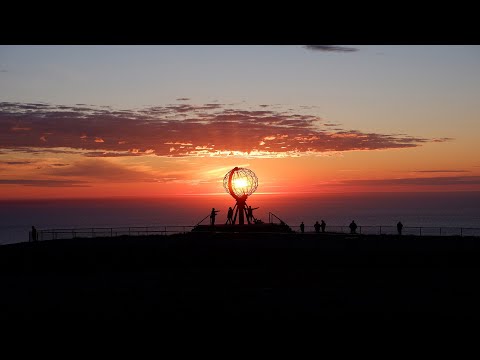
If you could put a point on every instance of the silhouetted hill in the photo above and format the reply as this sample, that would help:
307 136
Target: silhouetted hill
236 275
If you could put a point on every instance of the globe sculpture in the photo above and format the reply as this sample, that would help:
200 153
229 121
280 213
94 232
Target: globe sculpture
240 183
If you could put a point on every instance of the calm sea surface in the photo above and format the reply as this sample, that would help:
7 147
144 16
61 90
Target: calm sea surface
460 209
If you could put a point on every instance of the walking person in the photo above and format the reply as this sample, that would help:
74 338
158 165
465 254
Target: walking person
399 228
317 227
302 227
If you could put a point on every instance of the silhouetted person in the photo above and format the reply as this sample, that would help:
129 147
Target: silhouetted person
230 216
34 234
302 227
250 213
399 228
322 225
317 227
212 216
353 227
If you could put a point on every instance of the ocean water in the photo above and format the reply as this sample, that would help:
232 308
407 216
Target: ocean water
372 210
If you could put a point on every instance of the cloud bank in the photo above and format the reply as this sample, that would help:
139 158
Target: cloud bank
182 130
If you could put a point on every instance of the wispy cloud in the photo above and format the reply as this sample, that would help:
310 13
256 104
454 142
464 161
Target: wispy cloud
44 183
183 130
95 169
427 181
15 162
330 48
440 171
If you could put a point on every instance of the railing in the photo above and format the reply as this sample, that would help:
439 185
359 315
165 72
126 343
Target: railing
54 234
271 216
392 230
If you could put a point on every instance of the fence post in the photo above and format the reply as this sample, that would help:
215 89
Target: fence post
111 232
165 231
461 231
92 233
420 231
360 229
129 231
440 231
380 230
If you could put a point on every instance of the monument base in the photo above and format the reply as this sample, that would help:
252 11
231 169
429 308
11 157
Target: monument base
262 227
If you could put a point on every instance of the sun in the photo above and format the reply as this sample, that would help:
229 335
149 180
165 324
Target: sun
240 183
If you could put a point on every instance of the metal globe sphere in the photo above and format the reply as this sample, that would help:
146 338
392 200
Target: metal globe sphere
240 182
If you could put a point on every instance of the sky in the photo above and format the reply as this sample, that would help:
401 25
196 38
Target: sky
148 121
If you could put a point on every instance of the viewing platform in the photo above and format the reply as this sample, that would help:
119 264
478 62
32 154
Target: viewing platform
257 228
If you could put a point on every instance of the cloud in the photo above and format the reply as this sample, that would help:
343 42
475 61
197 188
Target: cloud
44 183
183 99
3 70
428 181
18 128
100 169
330 48
440 171
184 130
15 162
444 139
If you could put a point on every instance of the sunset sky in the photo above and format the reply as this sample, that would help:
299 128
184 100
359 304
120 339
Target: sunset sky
101 121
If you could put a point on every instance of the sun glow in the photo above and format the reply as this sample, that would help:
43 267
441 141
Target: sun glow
240 183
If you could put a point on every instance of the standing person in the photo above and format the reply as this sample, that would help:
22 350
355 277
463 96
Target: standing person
353 227
230 215
399 228
302 227
212 216
317 227
250 214
34 234
322 225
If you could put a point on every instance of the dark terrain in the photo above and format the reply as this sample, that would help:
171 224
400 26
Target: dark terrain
236 275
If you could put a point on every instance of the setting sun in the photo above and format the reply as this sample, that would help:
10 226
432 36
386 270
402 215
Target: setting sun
240 184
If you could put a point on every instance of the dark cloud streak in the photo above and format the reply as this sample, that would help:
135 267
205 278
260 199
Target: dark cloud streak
330 48
15 162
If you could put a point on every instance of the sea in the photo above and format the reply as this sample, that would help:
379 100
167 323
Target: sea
436 213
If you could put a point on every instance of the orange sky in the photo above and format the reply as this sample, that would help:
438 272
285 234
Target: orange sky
80 122
430 167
